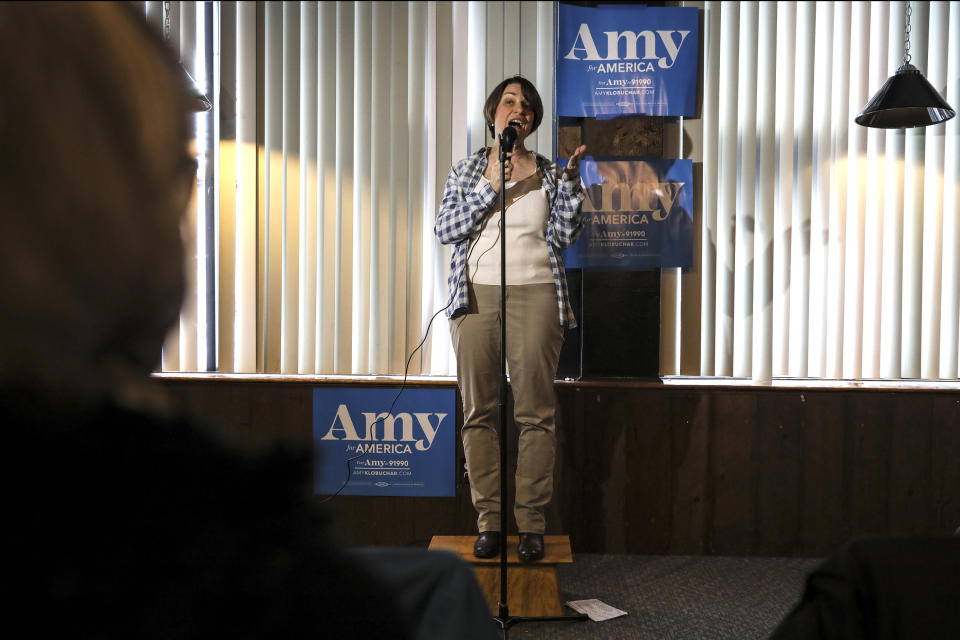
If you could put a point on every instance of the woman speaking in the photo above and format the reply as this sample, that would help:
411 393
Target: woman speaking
542 217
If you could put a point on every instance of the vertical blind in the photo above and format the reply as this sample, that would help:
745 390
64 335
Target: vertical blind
338 123
827 250
189 28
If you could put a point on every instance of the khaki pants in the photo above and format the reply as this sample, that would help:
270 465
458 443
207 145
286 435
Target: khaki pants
534 338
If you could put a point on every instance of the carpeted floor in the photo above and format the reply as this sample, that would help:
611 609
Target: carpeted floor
676 597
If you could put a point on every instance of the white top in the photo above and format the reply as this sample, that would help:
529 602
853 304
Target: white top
527 259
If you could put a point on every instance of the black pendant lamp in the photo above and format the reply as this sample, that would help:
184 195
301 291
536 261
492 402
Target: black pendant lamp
906 99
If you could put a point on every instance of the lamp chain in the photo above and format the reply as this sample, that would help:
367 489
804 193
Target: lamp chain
906 37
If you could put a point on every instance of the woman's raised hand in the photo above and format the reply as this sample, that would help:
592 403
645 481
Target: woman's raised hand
572 170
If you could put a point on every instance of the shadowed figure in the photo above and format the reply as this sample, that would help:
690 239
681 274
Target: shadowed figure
881 587
125 519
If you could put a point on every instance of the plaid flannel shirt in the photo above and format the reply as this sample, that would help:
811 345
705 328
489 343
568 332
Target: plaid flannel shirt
463 210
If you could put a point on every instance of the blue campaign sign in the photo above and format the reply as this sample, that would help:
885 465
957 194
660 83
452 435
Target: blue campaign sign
619 60
637 214
407 452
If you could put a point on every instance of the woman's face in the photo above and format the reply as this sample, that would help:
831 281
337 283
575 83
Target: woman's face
513 110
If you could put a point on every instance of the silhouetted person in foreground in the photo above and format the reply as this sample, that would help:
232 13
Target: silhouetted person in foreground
121 519
888 588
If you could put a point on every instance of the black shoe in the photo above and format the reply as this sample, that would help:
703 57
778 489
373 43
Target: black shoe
530 548
487 544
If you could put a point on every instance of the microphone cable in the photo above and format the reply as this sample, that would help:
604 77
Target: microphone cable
406 369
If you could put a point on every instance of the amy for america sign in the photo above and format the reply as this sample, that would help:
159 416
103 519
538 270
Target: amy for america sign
619 60
637 214
392 449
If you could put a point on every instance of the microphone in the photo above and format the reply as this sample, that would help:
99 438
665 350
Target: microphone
507 137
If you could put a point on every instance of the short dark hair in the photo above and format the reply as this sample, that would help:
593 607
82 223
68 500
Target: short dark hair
530 94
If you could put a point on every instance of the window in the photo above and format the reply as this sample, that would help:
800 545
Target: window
826 250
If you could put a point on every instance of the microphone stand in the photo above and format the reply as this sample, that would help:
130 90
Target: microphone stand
504 619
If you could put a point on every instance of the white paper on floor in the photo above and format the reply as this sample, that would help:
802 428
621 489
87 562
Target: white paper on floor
596 610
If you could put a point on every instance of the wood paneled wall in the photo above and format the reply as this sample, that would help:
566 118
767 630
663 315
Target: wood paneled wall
648 468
